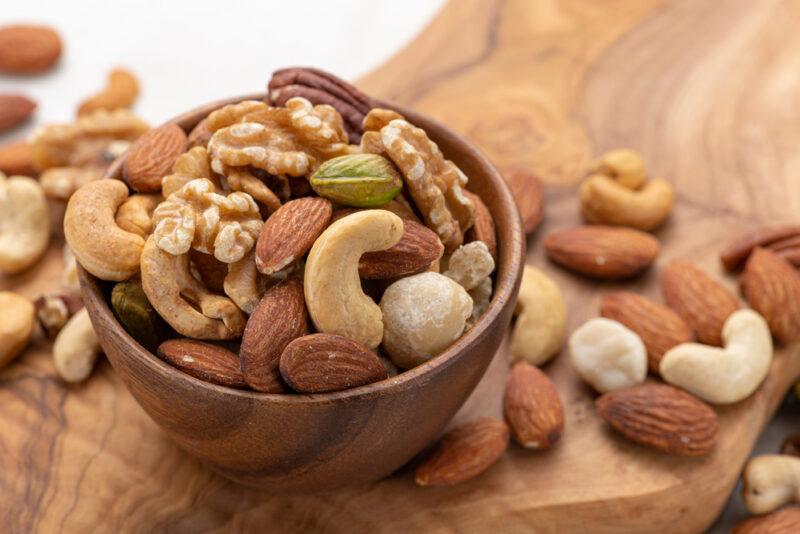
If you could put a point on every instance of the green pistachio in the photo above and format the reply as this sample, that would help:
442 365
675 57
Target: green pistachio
136 314
360 180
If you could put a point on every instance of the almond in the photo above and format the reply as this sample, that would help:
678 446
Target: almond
483 228
791 445
659 327
279 318
772 287
699 299
15 158
319 363
526 189
661 417
14 110
28 49
200 135
532 407
786 521
120 92
605 252
463 453
290 232
735 254
152 156
204 361
414 253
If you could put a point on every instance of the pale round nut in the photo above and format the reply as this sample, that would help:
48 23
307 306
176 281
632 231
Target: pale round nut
24 223
76 348
542 319
17 317
771 481
423 315
624 165
608 355
470 264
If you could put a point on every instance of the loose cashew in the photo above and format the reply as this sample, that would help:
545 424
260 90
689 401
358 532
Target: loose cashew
24 223
728 375
608 355
177 296
75 348
17 318
135 215
335 300
605 201
623 165
100 246
771 481
541 325
244 284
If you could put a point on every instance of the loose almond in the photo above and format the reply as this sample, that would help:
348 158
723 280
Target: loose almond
14 110
204 361
290 232
28 49
15 158
532 407
772 287
320 363
279 318
735 254
529 197
120 92
659 327
604 252
152 156
661 417
463 453
414 253
700 300
786 521
483 228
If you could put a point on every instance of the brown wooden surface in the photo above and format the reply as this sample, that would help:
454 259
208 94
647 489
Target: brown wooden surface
708 91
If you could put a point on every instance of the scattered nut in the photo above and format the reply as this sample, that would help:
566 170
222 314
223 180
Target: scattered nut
786 521
771 481
16 325
28 49
527 190
335 300
53 310
623 165
204 361
772 287
76 348
132 309
736 253
470 264
605 201
361 180
423 314
728 375
15 110
542 319
24 223
15 158
532 407
60 183
608 355
120 91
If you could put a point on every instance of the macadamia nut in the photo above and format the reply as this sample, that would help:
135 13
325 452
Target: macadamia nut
16 325
470 264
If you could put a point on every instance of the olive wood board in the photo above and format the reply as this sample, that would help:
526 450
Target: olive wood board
706 90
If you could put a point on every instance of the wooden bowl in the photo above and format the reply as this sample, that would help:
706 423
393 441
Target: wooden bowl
323 441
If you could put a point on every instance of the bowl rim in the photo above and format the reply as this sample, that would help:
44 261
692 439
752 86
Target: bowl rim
511 256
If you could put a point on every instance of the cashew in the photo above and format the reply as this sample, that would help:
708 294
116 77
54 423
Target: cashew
24 223
244 284
177 296
608 355
541 325
335 301
17 318
623 165
606 201
100 246
135 215
75 348
771 481
723 375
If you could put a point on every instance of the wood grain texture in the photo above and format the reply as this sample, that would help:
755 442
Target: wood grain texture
708 91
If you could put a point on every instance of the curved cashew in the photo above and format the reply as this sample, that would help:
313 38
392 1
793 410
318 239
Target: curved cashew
335 301
172 290
542 322
17 318
723 376
24 223
771 481
605 201
75 348
624 165
101 247
244 284
135 215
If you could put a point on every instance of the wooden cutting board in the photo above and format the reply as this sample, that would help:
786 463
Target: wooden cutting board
708 91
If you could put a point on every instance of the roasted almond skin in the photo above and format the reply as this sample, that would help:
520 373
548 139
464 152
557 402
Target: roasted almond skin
414 253
483 228
661 417
699 299
532 407
15 158
279 318
204 361
290 232
14 110
463 453
772 287
319 363
152 156
28 49
200 135
529 197
735 254
786 521
659 327
605 252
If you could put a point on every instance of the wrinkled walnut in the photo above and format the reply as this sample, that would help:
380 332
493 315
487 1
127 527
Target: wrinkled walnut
470 264
242 180
189 166
197 217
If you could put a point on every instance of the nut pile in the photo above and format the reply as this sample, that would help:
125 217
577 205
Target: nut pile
315 259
